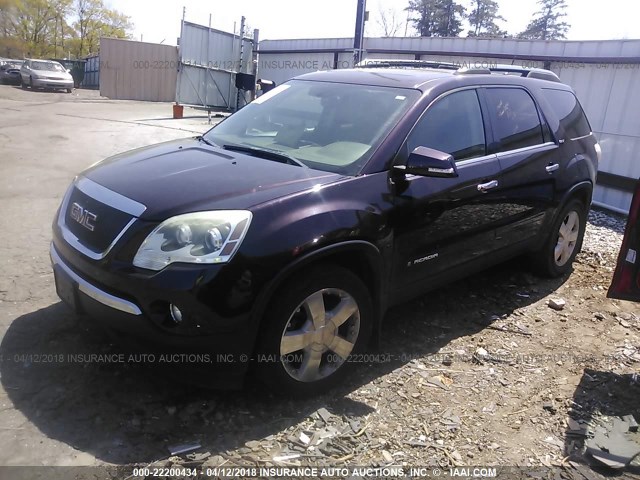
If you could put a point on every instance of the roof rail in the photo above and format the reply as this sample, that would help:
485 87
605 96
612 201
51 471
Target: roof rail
473 71
538 73
398 63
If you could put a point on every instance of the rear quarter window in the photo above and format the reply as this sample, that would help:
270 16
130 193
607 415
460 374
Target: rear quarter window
569 112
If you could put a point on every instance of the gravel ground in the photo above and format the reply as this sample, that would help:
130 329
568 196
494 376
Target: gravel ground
482 372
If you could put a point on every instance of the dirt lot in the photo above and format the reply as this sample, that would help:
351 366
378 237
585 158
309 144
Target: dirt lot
481 372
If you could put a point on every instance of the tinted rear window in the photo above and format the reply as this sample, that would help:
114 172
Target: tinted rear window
515 119
569 112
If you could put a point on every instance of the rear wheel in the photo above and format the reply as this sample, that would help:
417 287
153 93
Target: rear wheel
69 90
316 321
563 243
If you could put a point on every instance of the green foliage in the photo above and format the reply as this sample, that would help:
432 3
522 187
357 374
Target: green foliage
436 18
482 19
548 23
57 28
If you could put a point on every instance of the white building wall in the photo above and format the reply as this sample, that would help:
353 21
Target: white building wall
605 75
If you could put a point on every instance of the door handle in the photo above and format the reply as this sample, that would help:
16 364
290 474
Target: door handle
552 168
485 187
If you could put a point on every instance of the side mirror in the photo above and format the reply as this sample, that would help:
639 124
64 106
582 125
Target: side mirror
428 162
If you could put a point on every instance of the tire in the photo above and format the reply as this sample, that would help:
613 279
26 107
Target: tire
315 367
69 90
563 243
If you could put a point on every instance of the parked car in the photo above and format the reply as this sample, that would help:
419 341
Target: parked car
45 74
626 278
10 72
284 233
75 68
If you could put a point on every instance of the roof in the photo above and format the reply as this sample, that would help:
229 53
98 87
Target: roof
409 76
383 77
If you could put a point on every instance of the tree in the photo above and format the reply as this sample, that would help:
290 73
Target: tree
548 23
52 28
108 23
449 18
482 19
389 22
436 18
10 46
33 22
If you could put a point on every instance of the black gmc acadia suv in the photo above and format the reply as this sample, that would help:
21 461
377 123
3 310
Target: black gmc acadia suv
278 239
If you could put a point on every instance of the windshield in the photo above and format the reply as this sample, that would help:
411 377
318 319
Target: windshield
327 126
48 66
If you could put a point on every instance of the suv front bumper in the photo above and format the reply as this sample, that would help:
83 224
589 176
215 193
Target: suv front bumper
226 351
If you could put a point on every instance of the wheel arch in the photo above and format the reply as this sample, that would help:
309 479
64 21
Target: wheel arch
360 257
582 191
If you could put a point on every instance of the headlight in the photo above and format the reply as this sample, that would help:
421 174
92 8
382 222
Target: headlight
202 237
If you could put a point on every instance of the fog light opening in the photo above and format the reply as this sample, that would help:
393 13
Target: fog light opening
176 314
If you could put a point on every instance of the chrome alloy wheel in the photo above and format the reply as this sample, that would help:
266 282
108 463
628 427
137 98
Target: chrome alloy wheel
567 238
320 335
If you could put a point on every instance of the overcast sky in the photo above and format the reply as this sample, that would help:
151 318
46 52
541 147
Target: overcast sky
160 20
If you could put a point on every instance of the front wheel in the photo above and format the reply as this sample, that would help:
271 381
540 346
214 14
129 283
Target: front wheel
563 242
315 323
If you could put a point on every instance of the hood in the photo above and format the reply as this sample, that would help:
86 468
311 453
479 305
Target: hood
187 175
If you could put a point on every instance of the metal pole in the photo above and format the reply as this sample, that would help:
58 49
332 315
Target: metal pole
359 33
242 22
233 56
255 59
180 65
206 75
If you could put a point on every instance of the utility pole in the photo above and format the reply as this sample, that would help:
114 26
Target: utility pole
358 38
240 65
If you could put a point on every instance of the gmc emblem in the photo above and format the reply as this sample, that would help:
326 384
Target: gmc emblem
83 216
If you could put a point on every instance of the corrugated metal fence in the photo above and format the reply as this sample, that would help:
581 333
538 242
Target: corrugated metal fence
209 62
604 74
91 72
131 70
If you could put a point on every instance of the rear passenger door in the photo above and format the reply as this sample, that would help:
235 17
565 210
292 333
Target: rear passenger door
528 161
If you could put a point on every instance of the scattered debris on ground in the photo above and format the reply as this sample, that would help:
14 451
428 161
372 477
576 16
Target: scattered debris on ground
500 369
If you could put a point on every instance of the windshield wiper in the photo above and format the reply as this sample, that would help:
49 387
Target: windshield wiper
266 153
202 139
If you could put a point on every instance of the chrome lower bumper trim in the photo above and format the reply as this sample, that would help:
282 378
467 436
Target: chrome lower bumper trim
93 291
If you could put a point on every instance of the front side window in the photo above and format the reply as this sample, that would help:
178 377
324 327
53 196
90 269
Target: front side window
514 117
452 125
328 126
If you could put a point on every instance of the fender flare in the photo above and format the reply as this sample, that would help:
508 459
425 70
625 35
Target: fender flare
374 261
584 185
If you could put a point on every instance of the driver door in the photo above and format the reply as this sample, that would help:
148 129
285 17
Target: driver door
445 223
